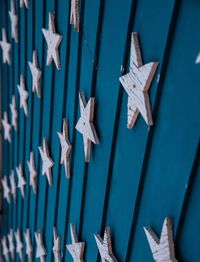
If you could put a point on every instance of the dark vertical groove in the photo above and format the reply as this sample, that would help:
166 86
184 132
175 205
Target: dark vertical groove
169 42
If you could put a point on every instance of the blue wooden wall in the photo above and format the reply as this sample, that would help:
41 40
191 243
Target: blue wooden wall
136 177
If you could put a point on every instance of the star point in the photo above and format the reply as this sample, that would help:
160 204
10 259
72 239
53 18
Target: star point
6 47
13 185
14 21
21 180
19 244
24 3
29 247
56 245
74 14
6 189
32 172
40 249
23 93
14 113
11 243
5 250
6 127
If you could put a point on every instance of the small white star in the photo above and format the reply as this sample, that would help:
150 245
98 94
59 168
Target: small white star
53 41
56 245
74 14
6 189
23 93
14 112
24 3
163 248
85 124
65 148
13 185
47 161
5 47
29 248
33 172
11 243
5 248
19 244
7 127
76 249
197 61
36 74
21 179
40 251
14 21
105 246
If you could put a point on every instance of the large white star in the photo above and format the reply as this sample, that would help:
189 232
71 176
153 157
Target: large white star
23 93
19 244
11 243
40 248
56 245
32 172
36 74
76 248
85 124
53 41
47 161
7 127
65 148
5 250
136 83
14 21
105 246
13 185
24 3
5 47
29 248
74 14
21 180
163 248
6 189
14 112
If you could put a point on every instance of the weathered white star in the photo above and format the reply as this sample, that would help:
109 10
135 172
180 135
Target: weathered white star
36 74
23 93
19 244
14 21
32 172
29 248
53 41
14 113
5 250
105 246
21 179
11 243
47 161
76 248
5 47
6 189
56 246
13 185
74 14
163 248
85 124
40 249
24 3
65 148
7 127
136 83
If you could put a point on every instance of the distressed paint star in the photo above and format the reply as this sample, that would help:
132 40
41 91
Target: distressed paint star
23 93
32 172
6 127
14 113
85 124
29 248
13 185
74 14
163 248
6 189
19 244
21 180
47 161
14 21
65 148
24 3
6 47
11 243
53 42
76 249
40 249
36 74
105 246
56 246
5 250
136 83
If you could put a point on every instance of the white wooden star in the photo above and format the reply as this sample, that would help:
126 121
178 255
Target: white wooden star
36 74
33 172
40 251
53 42
5 250
197 61
29 248
85 124
65 148
21 180
11 243
24 3
6 46
136 83
6 189
14 21
19 244
74 14
14 113
76 248
13 185
6 127
23 93
47 161
105 246
163 248
56 246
